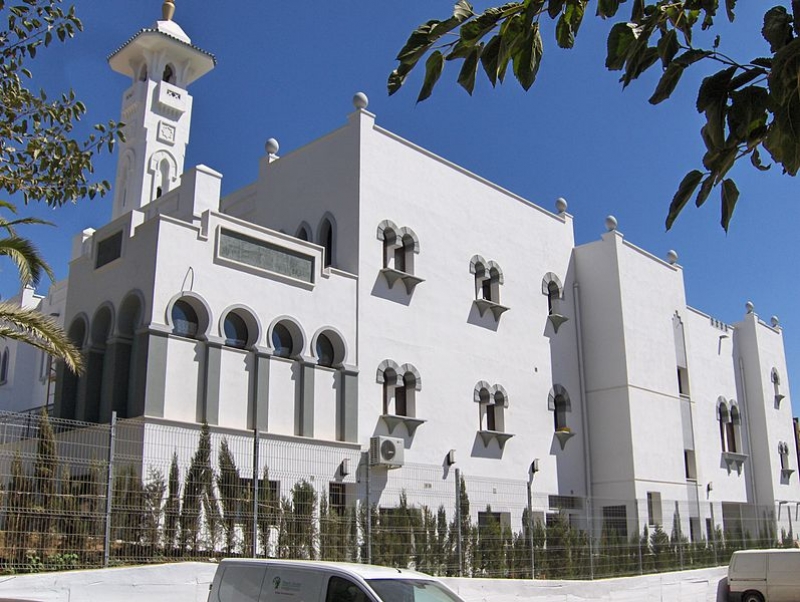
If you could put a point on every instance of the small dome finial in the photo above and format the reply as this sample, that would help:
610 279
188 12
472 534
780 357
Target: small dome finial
561 204
611 223
360 101
775 321
672 257
272 147
168 10
749 307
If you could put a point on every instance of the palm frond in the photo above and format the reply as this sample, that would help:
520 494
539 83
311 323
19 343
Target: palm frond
30 264
40 331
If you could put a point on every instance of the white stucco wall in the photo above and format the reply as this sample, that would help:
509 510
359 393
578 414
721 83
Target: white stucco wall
189 582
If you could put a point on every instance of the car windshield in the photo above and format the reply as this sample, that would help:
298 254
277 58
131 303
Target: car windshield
412 590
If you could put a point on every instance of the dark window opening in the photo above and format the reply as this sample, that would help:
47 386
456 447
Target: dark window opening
236 334
324 351
109 249
282 341
184 319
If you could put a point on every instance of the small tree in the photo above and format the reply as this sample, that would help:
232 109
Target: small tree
172 507
229 485
197 480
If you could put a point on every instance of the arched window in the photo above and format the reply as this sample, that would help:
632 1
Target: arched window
324 350
326 240
552 297
400 384
492 402
236 331
488 278
282 341
560 413
724 420
185 322
4 367
169 74
302 233
783 451
732 430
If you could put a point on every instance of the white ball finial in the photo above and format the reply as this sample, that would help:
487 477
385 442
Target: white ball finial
775 321
360 101
561 204
611 223
672 257
272 147
749 307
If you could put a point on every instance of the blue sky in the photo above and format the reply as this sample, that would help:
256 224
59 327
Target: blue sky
289 70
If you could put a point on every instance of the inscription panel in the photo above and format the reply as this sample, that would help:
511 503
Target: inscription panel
265 256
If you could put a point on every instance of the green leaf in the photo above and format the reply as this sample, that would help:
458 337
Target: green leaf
755 159
564 35
607 8
730 194
433 70
748 111
466 77
714 89
489 59
619 41
777 28
528 59
666 85
484 23
554 8
682 196
705 190
730 5
668 47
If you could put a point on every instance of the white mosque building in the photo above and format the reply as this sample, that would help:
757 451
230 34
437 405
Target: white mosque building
352 299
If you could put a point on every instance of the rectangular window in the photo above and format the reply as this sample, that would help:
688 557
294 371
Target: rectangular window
491 419
337 498
615 521
265 256
498 520
654 515
683 381
109 249
400 406
690 465
694 530
565 502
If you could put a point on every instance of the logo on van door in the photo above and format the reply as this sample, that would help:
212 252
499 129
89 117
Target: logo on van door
276 582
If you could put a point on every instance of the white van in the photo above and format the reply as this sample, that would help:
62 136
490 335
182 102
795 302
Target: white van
764 576
257 580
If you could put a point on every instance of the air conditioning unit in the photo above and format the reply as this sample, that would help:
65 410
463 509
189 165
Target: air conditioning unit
386 451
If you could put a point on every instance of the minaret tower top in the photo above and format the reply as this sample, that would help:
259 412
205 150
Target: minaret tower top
162 62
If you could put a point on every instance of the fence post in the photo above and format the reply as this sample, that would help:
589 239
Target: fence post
112 436
713 534
458 524
368 517
590 530
639 537
255 491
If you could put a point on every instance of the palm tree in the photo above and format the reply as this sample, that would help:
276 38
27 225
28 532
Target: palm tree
28 325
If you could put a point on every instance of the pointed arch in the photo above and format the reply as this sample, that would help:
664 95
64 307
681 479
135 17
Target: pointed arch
326 238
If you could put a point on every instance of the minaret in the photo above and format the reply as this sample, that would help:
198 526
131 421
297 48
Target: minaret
156 110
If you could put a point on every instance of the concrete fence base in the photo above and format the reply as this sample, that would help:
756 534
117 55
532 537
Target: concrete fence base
189 582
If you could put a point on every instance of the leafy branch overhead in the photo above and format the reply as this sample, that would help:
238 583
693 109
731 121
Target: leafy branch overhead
750 107
39 156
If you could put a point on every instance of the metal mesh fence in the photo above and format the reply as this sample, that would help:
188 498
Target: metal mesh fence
139 491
